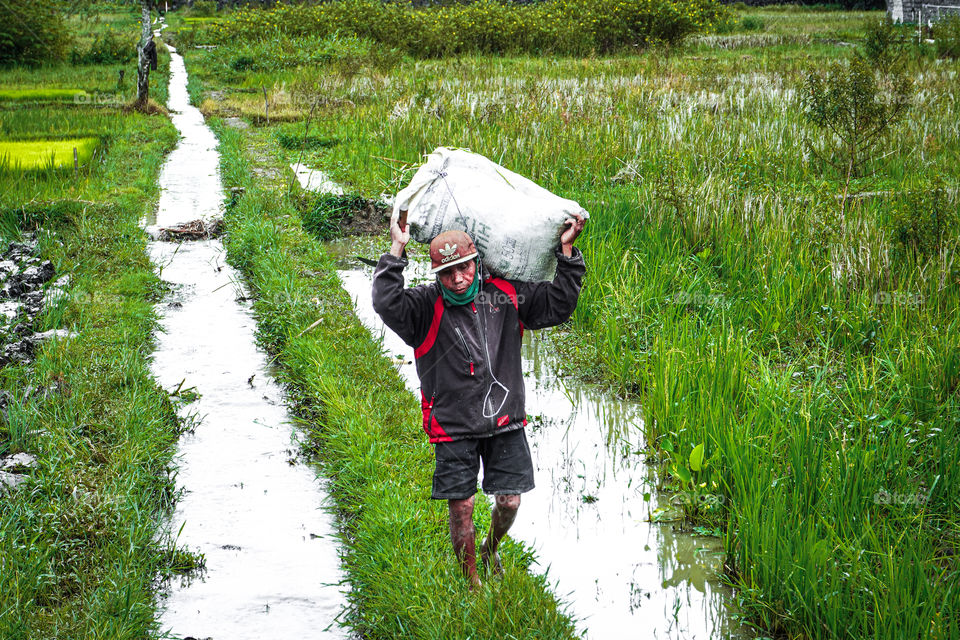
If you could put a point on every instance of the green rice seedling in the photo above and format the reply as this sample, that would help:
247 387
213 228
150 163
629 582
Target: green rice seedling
65 95
39 154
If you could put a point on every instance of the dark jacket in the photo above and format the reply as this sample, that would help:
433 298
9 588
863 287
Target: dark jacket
468 356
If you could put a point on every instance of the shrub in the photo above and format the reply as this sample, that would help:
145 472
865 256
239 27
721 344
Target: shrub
107 48
203 8
32 33
752 23
884 43
571 27
854 110
947 37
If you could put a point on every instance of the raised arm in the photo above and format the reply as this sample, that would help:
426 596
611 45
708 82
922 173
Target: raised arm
405 311
545 304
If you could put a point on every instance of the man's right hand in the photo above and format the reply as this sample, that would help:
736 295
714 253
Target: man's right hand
400 237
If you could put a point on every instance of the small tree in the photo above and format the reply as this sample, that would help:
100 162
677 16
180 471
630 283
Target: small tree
855 111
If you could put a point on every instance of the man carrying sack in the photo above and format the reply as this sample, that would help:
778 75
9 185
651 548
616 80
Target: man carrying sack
466 331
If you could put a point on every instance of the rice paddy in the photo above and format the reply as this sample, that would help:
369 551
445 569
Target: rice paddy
46 154
42 94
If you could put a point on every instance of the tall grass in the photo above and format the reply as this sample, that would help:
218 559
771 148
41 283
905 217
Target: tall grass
811 358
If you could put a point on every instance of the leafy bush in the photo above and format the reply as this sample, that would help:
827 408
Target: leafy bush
573 27
32 33
752 23
203 8
107 48
884 43
855 111
947 37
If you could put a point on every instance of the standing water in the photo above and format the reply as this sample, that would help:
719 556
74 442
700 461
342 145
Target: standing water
257 516
588 522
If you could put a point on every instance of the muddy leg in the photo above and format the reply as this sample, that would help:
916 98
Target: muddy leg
463 535
504 513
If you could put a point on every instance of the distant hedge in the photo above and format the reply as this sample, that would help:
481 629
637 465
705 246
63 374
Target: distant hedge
32 32
570 27
843 4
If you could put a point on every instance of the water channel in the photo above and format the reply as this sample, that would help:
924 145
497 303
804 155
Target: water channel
257 514
621 575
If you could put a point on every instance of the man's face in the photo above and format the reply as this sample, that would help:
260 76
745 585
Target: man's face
459 277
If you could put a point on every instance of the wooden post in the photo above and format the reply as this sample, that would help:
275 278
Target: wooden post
76 163
266 104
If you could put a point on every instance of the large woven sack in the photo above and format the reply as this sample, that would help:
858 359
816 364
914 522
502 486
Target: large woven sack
515 223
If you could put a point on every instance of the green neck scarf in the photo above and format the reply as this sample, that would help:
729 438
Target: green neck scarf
463 298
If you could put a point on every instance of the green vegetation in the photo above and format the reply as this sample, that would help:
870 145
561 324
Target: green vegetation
32 33
43 94
41 154
947 37
795 348
555 26
366 431
80 553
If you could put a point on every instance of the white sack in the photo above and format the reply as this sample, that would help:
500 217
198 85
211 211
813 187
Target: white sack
515 223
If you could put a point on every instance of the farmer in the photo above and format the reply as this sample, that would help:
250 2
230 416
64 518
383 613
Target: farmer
465 329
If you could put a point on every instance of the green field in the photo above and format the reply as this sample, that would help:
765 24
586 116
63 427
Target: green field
805 343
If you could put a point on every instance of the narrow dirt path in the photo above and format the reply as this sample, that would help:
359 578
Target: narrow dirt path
256 514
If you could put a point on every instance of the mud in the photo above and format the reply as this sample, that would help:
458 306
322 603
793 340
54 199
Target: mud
25 291
588 520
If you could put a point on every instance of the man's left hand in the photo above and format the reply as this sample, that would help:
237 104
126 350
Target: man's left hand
574 227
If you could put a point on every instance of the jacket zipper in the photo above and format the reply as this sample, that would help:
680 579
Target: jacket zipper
466 351
481 329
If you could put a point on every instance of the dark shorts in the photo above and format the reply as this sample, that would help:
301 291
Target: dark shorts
507 466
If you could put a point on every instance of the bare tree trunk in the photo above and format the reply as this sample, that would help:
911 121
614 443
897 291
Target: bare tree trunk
143 60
